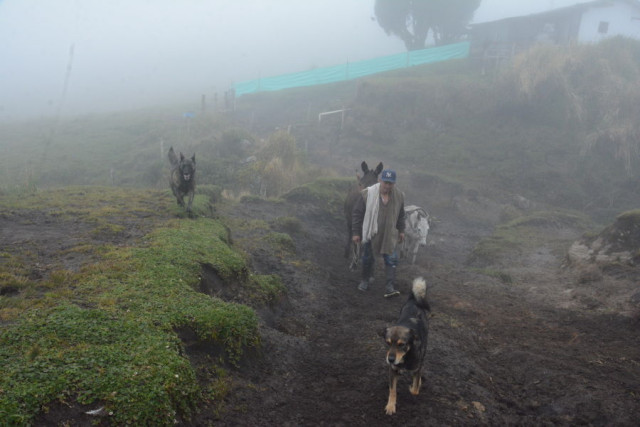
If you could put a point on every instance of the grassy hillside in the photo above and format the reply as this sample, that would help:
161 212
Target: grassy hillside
558 126
102 321
93 315
552 127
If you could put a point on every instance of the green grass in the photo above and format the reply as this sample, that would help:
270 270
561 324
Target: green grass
268 289
282 242
327 192
107 335
68 353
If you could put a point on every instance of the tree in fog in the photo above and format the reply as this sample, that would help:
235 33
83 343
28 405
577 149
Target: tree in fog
413 20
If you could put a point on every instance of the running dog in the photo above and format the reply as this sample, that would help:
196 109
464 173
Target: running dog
407 342
183 178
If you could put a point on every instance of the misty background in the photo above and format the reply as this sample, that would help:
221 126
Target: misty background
74 57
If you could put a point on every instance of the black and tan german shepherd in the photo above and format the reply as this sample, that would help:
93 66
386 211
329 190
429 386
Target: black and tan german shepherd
407 342
183 178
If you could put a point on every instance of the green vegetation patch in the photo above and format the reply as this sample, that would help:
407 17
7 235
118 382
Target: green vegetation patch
159 282
111 342
187 244
128 366
267 289
201 206
282 242
92 204
327 192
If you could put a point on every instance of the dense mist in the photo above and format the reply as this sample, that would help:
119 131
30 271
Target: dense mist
67 57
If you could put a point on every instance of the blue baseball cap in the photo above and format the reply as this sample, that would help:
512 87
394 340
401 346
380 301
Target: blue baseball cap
388 175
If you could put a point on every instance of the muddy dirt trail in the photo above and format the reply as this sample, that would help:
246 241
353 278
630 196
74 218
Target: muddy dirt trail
531 350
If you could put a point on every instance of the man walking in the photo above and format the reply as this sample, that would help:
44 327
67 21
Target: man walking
378 223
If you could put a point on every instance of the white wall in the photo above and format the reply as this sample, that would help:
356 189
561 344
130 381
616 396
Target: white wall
623 20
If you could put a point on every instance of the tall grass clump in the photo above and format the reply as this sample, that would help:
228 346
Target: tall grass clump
594 88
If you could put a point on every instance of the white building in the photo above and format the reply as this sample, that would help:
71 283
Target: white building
601 19
588 22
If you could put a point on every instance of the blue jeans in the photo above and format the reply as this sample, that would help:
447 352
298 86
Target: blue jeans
367 258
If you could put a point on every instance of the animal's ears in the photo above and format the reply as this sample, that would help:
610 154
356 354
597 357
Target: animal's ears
379 168
365 167
181 156
194 157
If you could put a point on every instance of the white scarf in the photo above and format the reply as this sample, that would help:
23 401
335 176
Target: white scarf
370 222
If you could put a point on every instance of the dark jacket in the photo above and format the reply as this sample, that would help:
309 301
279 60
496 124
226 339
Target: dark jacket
386 240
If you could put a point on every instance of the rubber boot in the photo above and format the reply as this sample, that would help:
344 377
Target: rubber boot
389 289
367 275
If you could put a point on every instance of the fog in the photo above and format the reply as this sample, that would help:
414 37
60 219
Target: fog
84 56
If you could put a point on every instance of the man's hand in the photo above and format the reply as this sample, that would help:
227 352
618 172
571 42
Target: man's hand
356 239
400 237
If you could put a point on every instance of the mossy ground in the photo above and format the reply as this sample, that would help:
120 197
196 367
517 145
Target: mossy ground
104 332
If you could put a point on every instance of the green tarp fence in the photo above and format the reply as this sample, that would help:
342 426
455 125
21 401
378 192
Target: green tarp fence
354 70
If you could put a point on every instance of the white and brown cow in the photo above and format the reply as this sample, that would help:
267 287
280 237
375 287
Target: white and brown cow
415 233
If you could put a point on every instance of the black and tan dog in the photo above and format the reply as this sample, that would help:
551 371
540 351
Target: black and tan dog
183 178
407 341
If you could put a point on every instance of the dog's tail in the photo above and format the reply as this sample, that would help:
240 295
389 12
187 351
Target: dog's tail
173 159
419 293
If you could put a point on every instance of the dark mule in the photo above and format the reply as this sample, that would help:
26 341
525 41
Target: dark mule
369 178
